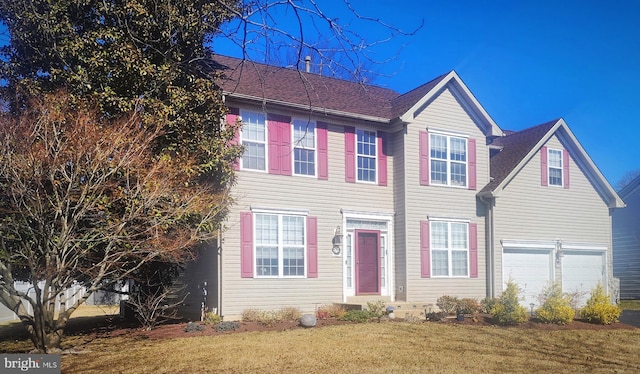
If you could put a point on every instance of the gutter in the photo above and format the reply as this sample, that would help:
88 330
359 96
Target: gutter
310 108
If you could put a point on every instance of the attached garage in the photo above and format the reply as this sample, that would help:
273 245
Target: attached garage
581 271
530 268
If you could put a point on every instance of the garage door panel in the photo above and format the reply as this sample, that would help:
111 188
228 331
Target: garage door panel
581 272
530 269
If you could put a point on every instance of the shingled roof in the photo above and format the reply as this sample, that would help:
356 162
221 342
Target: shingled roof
515 148
244 78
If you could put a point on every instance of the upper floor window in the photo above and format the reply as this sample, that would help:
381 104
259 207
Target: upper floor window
366 155
449 249
448 156
304 147
280 245
254 140
555 167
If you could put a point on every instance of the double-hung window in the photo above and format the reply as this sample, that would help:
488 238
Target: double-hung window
254 140
449 249
366 155
555 167
304 147
280 245
449 162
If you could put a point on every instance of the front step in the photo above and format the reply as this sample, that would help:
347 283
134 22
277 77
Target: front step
364 299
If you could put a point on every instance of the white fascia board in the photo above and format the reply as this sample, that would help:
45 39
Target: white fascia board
544 245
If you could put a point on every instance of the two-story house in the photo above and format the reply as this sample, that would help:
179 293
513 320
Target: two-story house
348 191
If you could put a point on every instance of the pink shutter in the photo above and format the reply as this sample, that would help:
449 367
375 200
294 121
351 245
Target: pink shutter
312 247
473 250
565 167
471 143
274 147
350 154
279 128
232 117
246 244
323 150
285 148
424 158
383 139
425 255
544 176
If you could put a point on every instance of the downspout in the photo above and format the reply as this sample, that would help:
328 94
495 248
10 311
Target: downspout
490 252
219 254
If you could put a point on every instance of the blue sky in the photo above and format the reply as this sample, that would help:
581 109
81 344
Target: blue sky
527 62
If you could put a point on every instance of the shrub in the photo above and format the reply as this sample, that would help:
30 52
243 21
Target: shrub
599 308
358 316
448 304
193 327
435 316
468 306
330 311
556 307
377 308
507 310
487 304
227 326
289 314
212 318
251 315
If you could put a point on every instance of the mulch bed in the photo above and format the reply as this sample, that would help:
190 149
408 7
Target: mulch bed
112 326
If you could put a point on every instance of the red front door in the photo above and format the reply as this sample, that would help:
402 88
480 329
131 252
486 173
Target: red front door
367 262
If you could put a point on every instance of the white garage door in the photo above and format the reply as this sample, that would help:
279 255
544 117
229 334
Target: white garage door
530 269
581 271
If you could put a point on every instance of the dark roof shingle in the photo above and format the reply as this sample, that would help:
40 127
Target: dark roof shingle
260 81
515 148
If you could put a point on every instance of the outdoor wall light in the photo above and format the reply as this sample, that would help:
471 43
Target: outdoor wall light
337 241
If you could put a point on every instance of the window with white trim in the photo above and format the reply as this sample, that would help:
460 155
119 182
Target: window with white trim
448 155
280 245
366 155
555 167
254 140
304 147
449 249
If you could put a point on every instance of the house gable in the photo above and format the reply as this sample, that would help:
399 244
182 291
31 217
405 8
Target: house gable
452 83
518 149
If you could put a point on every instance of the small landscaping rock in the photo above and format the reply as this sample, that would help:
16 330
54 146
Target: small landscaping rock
308 320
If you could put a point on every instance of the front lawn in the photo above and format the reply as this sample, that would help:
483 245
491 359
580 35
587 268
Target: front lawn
370 347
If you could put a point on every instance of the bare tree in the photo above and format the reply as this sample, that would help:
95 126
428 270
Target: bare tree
86 200
284 32
627 178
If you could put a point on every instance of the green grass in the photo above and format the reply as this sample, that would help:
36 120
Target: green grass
630 304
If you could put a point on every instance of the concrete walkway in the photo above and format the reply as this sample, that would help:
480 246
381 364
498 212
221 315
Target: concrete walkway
631 317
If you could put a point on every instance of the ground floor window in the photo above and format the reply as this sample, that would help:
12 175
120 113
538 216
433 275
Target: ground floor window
449 249
280 245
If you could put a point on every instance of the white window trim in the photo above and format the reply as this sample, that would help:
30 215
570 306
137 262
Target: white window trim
449 250
375 158
280 248
266 142
448 136
549 167
294 146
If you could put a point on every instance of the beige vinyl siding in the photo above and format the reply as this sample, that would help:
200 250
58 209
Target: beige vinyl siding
323 199
443 113
626 245
526 210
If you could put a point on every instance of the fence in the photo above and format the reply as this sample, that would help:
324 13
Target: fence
68 298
